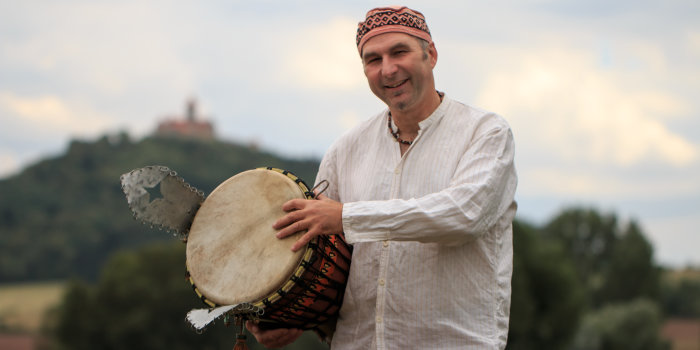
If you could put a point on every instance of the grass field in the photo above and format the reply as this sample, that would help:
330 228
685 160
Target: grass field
22 306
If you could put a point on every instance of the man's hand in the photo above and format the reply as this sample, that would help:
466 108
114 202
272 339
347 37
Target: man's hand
319 217
273 338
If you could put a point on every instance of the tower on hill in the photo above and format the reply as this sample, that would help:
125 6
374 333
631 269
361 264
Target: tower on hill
190 126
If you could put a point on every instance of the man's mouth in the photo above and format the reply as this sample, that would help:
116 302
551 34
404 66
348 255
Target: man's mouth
396 84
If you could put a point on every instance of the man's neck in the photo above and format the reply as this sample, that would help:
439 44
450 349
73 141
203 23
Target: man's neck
407 121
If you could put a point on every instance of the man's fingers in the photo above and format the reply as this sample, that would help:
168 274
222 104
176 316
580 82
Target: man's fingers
285 220
292 229
277 338
287 337
316 217
292 208
252 327
302 241
273 338
293 204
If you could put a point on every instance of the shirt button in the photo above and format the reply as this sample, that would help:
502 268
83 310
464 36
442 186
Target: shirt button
386 243
381 282
397 171
379 319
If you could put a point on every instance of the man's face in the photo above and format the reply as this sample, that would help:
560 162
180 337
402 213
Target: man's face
399 71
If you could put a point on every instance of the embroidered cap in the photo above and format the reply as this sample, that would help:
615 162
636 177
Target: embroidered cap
392 19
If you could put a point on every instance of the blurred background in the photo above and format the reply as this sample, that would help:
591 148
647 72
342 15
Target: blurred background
602 98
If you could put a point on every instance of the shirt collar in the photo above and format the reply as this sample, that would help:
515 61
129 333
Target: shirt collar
437 114
432 118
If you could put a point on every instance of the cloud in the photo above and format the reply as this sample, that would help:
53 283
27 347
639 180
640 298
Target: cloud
50 114
111 48
324 57
589 183
560 101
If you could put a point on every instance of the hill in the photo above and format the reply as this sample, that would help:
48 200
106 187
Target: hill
64 216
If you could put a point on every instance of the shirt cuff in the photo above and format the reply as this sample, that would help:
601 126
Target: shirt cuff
359 226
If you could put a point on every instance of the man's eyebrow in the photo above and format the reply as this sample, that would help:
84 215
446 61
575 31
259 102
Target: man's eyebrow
366 55
398 45
369 54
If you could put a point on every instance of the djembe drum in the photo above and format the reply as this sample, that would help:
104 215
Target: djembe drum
234 257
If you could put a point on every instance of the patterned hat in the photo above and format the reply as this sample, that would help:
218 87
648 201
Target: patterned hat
392 19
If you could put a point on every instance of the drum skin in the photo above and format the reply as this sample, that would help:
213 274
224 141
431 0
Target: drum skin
233 255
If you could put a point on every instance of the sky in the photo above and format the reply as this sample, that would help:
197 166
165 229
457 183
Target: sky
603 97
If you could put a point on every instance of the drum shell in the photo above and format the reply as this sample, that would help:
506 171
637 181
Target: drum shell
318 295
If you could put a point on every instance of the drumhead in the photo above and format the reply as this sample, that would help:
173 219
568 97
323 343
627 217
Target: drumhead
233 255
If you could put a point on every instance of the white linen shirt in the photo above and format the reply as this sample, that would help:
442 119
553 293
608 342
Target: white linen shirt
431 231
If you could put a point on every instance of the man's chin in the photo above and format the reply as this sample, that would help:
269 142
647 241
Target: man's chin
401 104
397 102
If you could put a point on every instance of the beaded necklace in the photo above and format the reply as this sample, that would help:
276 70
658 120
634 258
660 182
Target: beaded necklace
396 133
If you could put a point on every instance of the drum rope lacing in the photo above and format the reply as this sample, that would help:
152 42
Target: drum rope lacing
323 183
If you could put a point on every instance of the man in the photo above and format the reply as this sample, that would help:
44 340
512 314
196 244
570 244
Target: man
424 193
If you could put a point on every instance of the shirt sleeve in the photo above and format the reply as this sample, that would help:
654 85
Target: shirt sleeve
328 172
481 191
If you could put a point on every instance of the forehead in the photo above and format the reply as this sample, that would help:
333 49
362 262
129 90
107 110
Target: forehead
387 41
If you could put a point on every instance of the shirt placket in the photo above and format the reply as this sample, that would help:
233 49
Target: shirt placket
384 258
381 294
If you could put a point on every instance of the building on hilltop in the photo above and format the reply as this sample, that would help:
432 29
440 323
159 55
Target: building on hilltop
190 126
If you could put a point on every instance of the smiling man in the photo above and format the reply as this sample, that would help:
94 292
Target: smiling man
424 192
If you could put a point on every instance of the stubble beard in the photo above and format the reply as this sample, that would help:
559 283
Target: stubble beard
402 106
405 103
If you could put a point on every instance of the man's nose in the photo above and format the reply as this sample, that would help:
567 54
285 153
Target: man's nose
389 67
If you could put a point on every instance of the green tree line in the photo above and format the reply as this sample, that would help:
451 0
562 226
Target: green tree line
582 281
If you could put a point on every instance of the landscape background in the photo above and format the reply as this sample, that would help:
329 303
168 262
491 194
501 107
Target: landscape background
78 272
602 99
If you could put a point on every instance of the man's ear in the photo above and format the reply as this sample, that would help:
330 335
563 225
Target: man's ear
432 54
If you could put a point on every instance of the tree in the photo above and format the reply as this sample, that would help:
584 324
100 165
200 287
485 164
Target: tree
631 272
140 302
588 238
630 326
546 297
613 264
680 293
